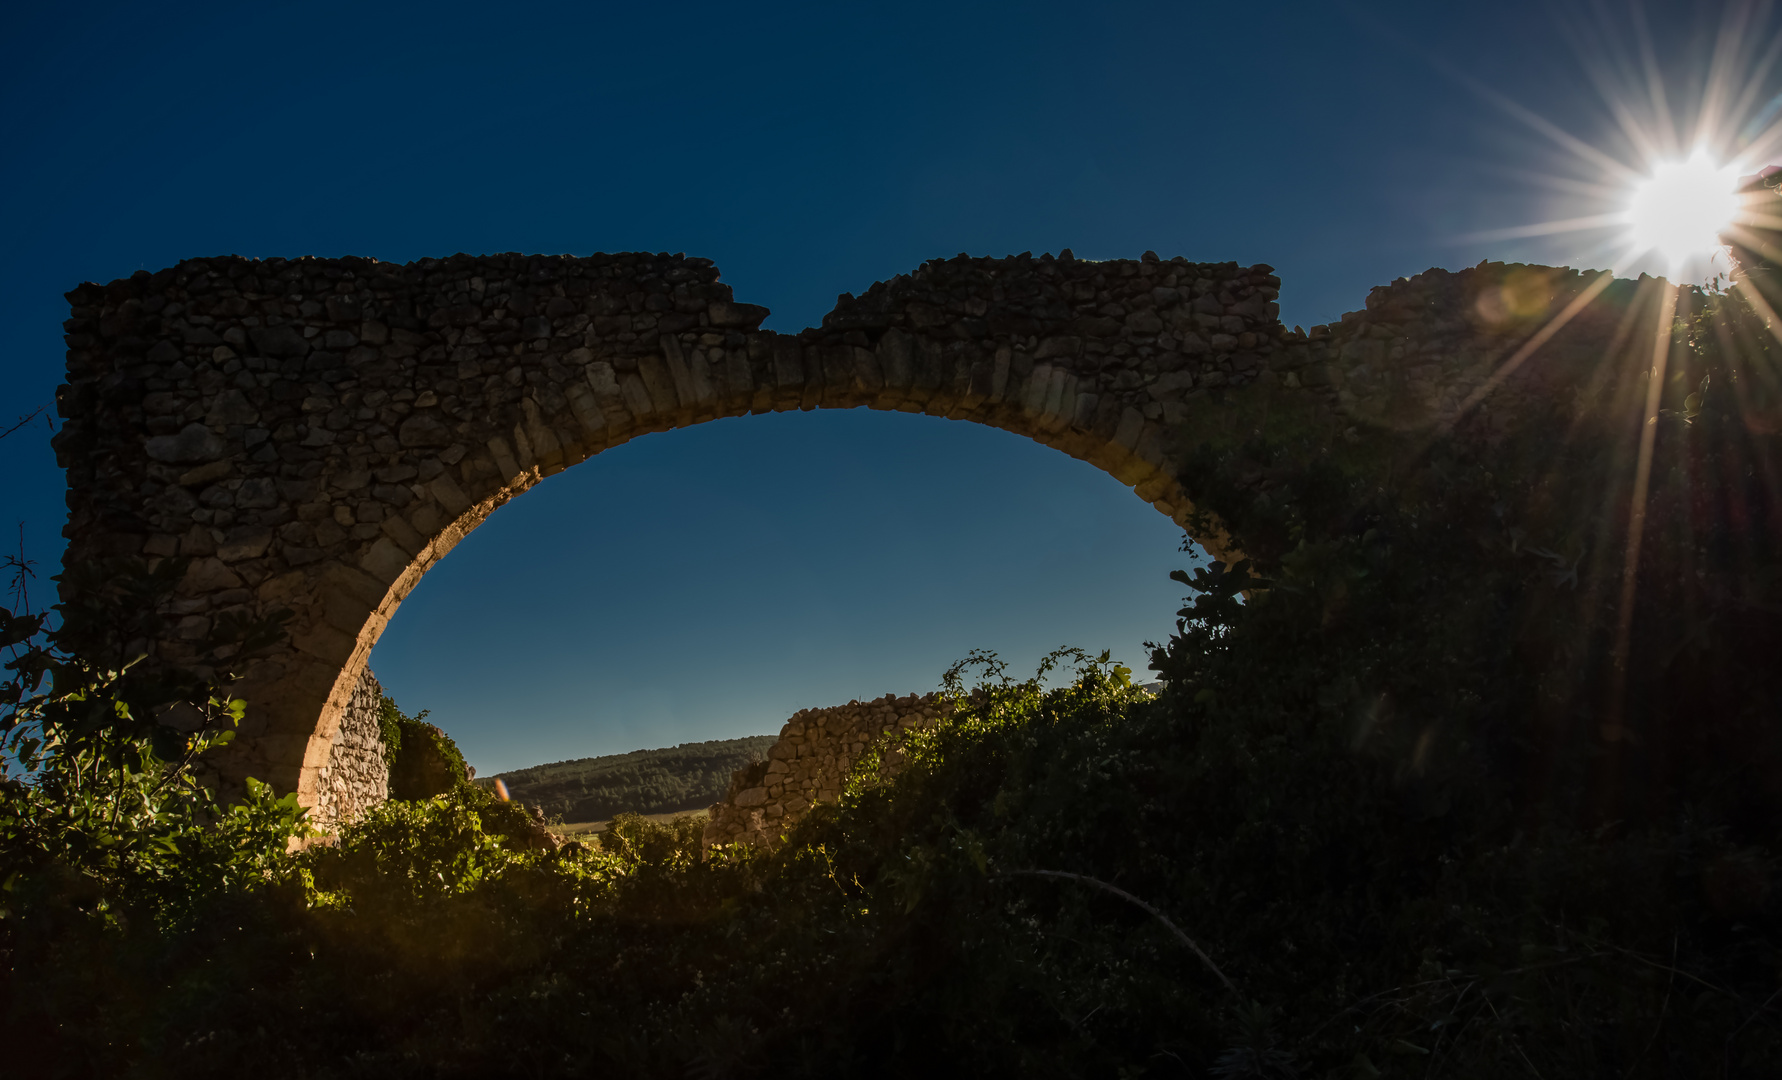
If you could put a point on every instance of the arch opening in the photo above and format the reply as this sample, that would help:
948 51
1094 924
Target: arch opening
709 583
351 686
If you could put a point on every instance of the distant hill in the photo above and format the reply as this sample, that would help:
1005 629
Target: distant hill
690 776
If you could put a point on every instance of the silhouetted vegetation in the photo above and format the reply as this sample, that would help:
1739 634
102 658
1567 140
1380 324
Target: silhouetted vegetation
1434 788
690 776
423 759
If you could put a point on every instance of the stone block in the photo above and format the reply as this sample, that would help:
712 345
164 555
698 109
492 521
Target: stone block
207 576
1034 390
1132 424
523 451
506 467
636 395
897 358
404 534
868 378
244 542
546 446
1144 322
736 316
205 474
678 372
660 383
699 375
427 518
739 377
324 643
257 493
231 407
586 409
343 610
281 342
384 560
193 443
448 494
424 429
1060 398
603 380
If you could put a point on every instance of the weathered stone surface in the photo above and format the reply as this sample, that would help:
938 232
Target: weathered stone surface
195 442
424 429
279 341
359 418
209 576
817 750
204 474
356 775
244 542
737 316
231 407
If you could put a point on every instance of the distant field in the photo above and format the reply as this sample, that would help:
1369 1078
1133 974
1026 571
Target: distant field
669 781
581 828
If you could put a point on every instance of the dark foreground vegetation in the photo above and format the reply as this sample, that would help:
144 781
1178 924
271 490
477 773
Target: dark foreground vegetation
1439 799
675 779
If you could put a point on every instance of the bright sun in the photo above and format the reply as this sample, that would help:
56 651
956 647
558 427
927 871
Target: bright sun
1681 209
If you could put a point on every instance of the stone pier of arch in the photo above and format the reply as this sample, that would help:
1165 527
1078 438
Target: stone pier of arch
314 434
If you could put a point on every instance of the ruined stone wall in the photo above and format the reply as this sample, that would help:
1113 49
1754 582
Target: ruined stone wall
817 748
314 434
357 776
1487 342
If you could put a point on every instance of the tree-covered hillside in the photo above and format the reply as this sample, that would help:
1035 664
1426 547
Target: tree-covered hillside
690 776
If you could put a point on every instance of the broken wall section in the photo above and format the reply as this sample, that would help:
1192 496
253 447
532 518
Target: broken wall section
816 751
357 776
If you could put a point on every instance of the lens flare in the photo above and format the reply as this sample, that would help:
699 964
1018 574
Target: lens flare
1683 207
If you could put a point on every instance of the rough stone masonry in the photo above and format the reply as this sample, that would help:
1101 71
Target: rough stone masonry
357 775
314 434
811 762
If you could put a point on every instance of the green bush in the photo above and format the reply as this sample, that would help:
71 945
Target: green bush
672 846
103 808
423 760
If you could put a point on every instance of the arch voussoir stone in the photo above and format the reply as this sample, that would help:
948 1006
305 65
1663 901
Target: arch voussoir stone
315 434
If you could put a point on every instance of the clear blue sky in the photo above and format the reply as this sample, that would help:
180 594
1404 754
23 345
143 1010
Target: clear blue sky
705 583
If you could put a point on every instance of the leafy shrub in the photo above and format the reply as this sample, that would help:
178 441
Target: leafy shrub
426 762
672 846
415 851
102 806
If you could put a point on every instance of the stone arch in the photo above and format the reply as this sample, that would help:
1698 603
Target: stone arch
315 434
